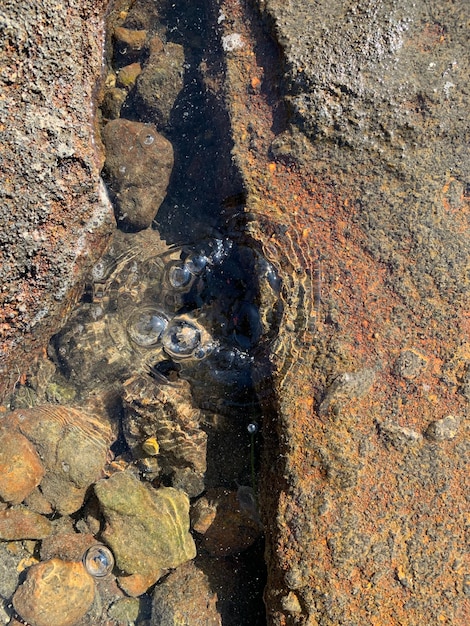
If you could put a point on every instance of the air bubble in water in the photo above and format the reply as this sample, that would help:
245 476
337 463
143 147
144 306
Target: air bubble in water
196 263
183 337
178 275
146 326
98 561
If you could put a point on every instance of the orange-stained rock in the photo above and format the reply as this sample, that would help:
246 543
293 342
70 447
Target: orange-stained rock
21 469
55 593
137 584
73 445
21 523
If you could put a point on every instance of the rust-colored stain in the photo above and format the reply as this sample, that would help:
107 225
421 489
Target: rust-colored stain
355 496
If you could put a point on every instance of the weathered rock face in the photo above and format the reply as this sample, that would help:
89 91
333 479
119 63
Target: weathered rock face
54 213
360 198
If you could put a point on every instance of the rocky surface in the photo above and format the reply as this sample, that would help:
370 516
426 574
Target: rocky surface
146 528
138 166
185 598
346 125
51 163
360 198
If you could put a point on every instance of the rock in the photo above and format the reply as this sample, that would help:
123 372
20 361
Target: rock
21 469
55 593
410 364
130 40
125 610
128 75
185 598
66 546
73 446
161 81
146 528
444 429
20 523
138 165
52 164
232 529
167 413
13 559
113 100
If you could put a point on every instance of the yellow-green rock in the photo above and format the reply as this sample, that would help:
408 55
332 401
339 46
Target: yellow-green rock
147 528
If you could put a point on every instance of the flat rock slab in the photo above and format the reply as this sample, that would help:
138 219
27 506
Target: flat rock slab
359 197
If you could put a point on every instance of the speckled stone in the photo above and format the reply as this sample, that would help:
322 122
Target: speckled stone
21 469
185 598
146 528
21 523
55 593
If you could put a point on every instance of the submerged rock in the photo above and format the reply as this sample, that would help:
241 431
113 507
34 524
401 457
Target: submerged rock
185 598
21 523
147 528
21 469
165 412
138 165
73 446
161 81
55 593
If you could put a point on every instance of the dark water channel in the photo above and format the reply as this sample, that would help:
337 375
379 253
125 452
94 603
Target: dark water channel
177 317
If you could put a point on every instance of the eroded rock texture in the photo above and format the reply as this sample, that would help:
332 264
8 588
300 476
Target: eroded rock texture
54 211
357 185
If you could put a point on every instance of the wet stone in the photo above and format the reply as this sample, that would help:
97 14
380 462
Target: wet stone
146 528
185 598
161 81
166 413
21 523
138 166
21 469
73 446
234 526
128 75
55 593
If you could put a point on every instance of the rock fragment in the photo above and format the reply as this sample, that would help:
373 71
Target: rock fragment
21 523
161 81
138 164
55 593
146 528
185 598
73 446
21 469
443 429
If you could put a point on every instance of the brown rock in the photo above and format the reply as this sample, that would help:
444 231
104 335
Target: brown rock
21 523
21 469
138 164
55 593
128 75
161 81
66 546
73 446
137 584
134 39
234 527
185 598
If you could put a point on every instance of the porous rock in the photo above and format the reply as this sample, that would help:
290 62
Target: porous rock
185 598
138 165
146 528
21 469
55 593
